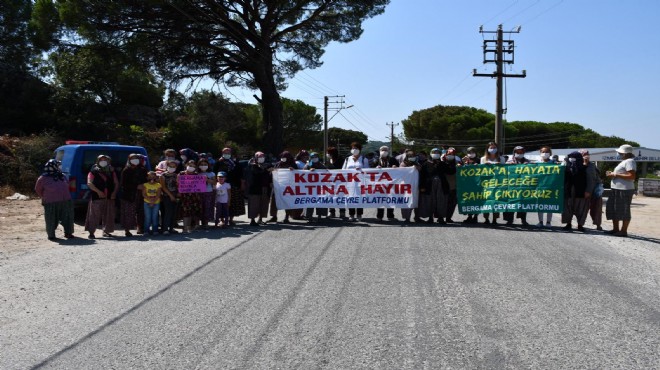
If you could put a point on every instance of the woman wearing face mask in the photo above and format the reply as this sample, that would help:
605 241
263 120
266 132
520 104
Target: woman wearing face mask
406 162
576 192
286 163
132 211
546 158
168 155
335 162
618 203
227 163
301 159
434 188
169 203
53 189
596 199
259 188
518 157
207 197
103 185
385 160
452 201
355 162
190 203
471 159
492 156
313 165
187 155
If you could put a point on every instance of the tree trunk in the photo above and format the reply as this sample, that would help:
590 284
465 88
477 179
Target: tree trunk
271 103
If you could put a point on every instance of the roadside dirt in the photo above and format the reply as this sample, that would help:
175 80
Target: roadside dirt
22 228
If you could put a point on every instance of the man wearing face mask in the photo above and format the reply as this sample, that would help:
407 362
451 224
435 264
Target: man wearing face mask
385 160
518 157
132 177
452 201
355 162
259 188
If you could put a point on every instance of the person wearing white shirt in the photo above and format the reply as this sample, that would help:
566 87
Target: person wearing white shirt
355 161
623 188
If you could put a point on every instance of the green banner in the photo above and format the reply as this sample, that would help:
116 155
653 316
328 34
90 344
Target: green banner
489 188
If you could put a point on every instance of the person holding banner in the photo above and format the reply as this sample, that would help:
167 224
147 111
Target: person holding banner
623 188
315 164
471 159
259 185
286 163
518 157
385 160
407 161
207 197
576 192
357 162
546 158
434 188
492 156
301 159
334 162
190 202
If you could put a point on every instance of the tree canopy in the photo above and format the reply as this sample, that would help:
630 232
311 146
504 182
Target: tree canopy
257 44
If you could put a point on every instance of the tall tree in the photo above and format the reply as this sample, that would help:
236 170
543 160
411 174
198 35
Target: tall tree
252 43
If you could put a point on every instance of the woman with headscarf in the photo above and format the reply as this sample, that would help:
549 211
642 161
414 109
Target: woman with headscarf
228 163
131 201
471 159
618 203
169 202
452 201
334 162
190 203
313 165
385 160
207 198
596 199
301 159
407 161
434 186
576 192
187 155
518 157
492 156
286 163
103 185
259 188
355 162
53 189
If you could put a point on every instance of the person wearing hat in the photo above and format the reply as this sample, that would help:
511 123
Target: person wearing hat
492 156
53 189
222 200
518 157
355 161
313 165
618 203
259 188
385 160
596 200
546 158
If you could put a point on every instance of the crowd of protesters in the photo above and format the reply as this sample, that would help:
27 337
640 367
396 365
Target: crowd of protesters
150 203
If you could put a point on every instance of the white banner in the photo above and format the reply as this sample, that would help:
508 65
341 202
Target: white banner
370 188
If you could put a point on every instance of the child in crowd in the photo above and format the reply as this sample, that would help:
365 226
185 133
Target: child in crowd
222 200
151 192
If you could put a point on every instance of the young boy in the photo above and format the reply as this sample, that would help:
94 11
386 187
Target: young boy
151 192
222 200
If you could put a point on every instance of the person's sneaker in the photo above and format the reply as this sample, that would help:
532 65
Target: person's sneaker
166 232
254 223
272 219
525 223
128 233
580 228
91 236
52 238
599 228
548 224
172 231
286 221
359 218
568 227
540 224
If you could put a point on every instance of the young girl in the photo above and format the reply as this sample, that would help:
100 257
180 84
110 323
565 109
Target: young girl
151 191
222 200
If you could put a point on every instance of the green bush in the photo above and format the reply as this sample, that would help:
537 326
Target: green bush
21 159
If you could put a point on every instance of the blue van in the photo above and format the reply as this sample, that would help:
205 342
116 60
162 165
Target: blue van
78 157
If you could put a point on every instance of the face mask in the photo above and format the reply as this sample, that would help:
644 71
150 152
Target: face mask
183 158
261 160
103 163
435 155
571 160
171 169
169 158
412 159
545 155
282 160
384 154
520 156
203 168
135 162
450 157
492 150
315 160
355 151
226 156
471 155
190 169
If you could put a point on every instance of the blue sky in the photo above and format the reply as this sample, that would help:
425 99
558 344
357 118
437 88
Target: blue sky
595 63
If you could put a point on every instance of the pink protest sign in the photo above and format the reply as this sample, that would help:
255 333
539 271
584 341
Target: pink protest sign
192 183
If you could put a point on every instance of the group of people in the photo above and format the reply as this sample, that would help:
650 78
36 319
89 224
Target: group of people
150 202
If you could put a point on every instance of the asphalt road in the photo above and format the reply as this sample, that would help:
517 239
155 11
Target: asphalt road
363 295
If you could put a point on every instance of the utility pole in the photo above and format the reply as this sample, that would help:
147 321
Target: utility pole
326 107
392 124
499 50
